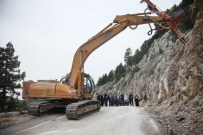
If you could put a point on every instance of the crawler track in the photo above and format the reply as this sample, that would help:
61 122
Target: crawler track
36 108
81 109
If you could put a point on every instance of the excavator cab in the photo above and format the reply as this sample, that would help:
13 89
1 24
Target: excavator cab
89 85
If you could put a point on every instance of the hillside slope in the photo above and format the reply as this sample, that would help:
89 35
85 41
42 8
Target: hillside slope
170 79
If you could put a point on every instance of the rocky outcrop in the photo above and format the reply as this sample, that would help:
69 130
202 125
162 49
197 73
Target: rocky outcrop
181 86
170 81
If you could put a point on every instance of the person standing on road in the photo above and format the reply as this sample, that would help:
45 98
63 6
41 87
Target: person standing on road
98 96
131 98
112 99
115 98
136 100
105 99
118 99
122 99
108 99
126 99
102 99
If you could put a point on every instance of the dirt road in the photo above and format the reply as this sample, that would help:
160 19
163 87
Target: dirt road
123 120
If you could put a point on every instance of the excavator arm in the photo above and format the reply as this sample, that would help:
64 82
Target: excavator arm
119 24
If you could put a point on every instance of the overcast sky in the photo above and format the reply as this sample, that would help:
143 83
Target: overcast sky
46 33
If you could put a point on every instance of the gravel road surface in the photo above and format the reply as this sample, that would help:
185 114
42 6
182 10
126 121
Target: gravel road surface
122 120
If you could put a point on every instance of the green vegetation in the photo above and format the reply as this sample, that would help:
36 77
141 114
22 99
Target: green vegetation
136 69
10 77
119 72
184 25
128 57
106 78
14 104
113 75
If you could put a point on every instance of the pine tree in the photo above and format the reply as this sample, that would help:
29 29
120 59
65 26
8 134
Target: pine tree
10 74
128 57
120 72
137 57
102 80
111 76
99 83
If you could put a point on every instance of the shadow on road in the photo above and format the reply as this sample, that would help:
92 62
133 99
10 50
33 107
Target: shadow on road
57 110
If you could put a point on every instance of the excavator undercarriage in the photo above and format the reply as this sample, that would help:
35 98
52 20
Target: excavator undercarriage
74 111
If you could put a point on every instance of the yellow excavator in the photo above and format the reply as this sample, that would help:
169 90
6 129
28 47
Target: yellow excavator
76 89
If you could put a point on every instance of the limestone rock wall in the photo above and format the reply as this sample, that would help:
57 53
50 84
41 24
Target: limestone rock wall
170 81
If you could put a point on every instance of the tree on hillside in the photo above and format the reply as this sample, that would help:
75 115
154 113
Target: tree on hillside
10 75
136 57
128 57
102 80
99 81
111 76
119 72
106 78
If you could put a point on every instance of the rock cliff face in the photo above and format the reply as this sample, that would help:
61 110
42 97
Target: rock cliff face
170 81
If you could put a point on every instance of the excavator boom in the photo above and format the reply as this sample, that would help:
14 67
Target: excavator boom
119 24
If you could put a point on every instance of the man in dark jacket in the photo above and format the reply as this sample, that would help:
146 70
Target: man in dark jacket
102 99
131 98
112 99
115 98
136 100
105 99
98 96
122 99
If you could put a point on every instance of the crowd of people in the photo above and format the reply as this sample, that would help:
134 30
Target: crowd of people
117 99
